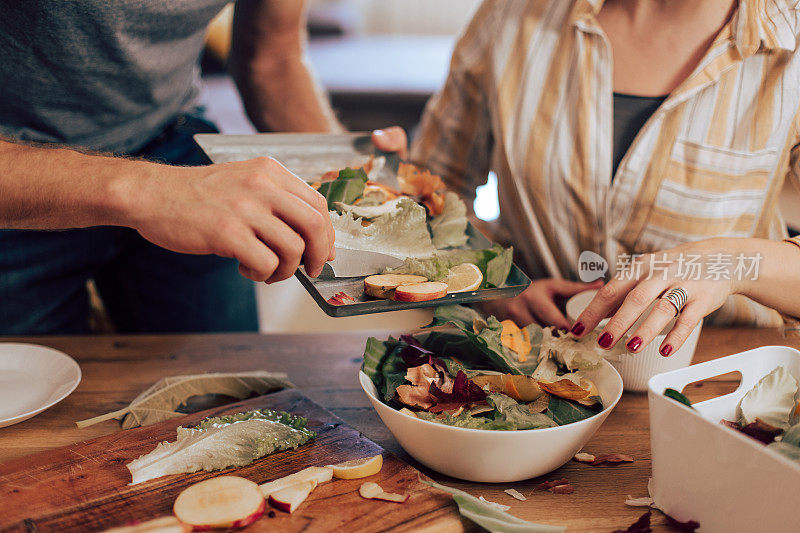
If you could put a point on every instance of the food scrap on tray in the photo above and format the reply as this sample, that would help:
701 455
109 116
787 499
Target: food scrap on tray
340 298
421 223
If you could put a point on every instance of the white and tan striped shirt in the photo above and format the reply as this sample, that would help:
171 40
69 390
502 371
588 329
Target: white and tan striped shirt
529 95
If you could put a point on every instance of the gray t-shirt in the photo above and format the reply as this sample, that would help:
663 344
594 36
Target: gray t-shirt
100 74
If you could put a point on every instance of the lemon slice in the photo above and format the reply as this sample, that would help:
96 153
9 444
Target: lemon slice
358 468
464 277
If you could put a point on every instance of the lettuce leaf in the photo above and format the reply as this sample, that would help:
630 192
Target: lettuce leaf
498 267
575 353
491 518
401 233
487 341
494 262
678 397
792 435
293 421
549 370
517 415
222 442
346 188
566 412
449 229
369 211
772 400
459 352
787 450
508 415
375 353
394 373
384 366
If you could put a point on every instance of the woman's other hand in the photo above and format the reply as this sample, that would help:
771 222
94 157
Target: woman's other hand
538 303
391 139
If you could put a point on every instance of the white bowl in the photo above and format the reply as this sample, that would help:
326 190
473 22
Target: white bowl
637 369
493 456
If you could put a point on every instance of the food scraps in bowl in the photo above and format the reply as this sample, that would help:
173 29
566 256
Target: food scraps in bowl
768 413
485 374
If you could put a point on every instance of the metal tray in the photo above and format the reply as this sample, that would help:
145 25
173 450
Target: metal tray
311 155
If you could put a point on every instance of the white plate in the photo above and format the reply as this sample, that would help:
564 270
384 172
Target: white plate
33 378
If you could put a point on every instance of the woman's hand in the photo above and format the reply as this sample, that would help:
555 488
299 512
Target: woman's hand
391 139
633 290
537 303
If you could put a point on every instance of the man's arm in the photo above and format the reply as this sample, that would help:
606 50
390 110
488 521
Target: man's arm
55 188
254 211
268 61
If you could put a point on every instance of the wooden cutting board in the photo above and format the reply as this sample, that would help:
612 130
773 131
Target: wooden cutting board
84 487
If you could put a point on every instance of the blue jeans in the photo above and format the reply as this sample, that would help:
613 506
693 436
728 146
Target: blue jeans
145 288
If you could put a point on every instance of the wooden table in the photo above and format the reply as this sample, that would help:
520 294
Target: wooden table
116 368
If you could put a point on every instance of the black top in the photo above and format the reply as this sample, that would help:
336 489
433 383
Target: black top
630 114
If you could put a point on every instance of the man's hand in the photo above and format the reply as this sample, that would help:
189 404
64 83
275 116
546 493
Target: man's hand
537 303
256 212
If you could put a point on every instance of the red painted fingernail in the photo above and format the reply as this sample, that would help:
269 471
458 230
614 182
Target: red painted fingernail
578 328
666 350
634 343
605 340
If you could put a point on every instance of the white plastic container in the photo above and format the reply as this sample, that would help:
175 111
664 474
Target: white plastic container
637 369
703 471
495 456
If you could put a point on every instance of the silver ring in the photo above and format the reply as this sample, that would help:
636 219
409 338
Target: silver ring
678 297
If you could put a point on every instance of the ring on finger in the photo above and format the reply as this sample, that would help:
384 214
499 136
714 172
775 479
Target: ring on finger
678 297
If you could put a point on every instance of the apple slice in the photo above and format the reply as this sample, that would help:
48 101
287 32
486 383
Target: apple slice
320 474
420 292
382 285
289 498
220 502
165 524
373 491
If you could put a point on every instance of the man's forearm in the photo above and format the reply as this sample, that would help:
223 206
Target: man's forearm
58 188
283 95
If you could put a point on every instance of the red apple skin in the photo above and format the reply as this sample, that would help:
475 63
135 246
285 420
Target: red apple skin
281 506
406 293
252 518
236 523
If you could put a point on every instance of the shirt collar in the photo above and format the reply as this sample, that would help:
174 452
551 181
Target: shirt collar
583 9
767 24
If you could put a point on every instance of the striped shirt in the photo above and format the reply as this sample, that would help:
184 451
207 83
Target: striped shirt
529 96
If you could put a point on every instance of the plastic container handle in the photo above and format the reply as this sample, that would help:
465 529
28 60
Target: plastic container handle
746 363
